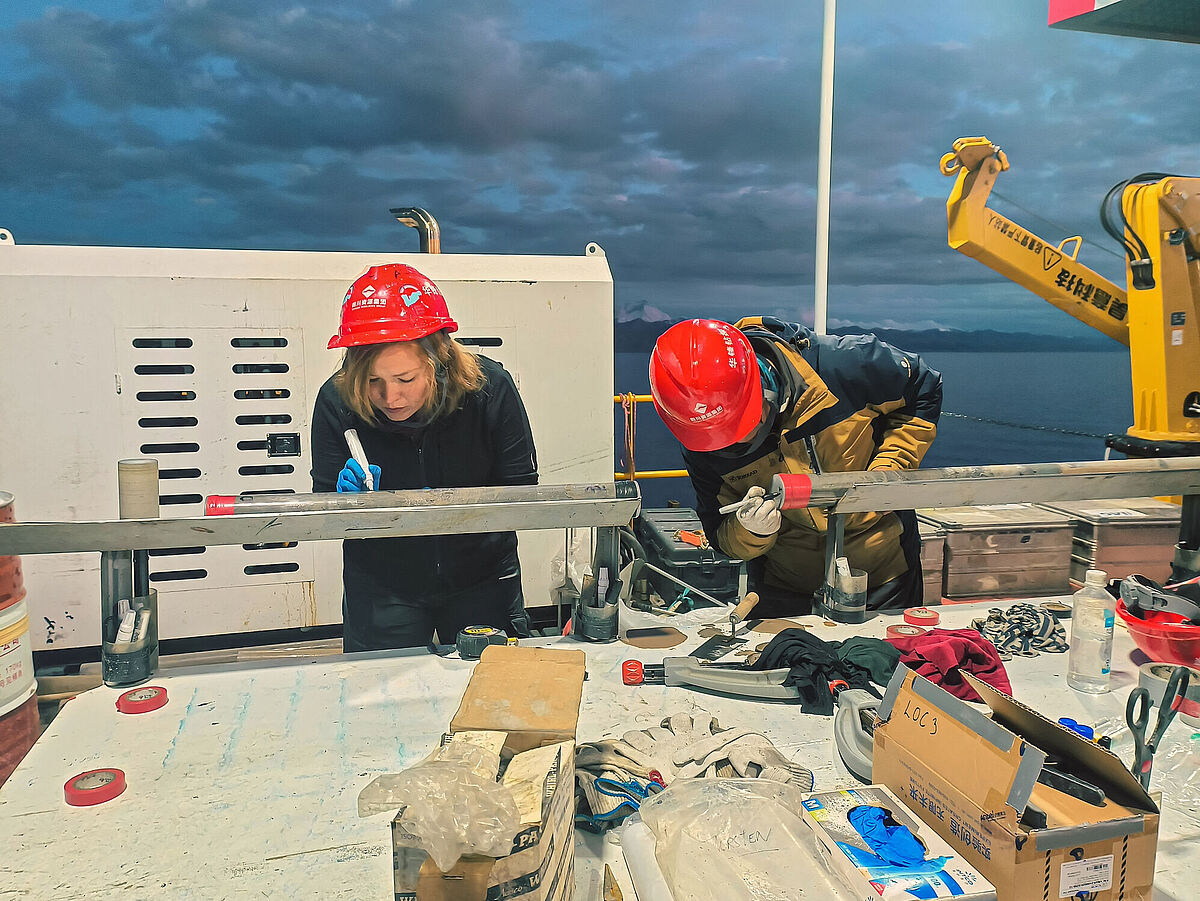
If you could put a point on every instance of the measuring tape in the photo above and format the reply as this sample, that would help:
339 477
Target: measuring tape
94 787
473 639
142 700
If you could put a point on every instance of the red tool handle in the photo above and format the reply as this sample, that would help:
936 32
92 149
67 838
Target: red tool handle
631 672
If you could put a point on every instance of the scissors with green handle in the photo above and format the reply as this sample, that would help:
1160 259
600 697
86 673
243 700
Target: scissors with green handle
1137 716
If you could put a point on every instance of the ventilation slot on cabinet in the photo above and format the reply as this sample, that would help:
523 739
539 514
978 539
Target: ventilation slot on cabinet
480 342
162 342
179 473
249 368
274 470
164 369
269 545
261 393
178 575
171 500
176 551
262 569
177 447
166 395
258 342
264 419
167 422
252 445
257 491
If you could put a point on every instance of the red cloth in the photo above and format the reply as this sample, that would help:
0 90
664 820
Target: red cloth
943 655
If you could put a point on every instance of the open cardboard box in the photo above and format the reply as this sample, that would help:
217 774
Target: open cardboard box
533 695
970 776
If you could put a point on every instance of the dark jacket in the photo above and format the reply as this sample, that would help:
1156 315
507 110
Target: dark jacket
864 406
486 441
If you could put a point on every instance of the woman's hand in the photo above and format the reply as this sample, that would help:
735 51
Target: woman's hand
352 478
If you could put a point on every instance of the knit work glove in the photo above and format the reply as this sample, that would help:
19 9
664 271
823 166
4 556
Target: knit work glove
744 753
759 517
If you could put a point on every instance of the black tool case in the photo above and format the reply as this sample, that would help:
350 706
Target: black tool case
705 568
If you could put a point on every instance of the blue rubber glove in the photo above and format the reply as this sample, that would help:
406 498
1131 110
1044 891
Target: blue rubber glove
893 842
352 478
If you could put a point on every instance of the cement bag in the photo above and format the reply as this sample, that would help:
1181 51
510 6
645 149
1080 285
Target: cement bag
733 840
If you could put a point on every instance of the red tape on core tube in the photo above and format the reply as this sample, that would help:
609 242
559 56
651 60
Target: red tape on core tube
142 700
219 504
898 630
94 787
921 616
796 487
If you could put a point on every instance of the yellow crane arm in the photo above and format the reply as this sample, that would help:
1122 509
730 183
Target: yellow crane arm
1049 271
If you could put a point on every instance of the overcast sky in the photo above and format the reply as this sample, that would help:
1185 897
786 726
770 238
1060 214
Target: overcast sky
680 136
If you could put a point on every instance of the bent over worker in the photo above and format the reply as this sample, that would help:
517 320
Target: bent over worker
766 397
429 414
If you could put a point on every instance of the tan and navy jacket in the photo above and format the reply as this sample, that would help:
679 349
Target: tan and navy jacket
862 405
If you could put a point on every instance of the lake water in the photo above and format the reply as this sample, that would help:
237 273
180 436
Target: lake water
1032 401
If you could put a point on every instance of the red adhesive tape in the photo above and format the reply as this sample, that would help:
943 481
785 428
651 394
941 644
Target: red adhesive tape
796 488
632 673
904 631
921 616
94 787
142 700
219 504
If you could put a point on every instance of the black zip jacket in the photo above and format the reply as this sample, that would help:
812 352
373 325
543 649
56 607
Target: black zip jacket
486 441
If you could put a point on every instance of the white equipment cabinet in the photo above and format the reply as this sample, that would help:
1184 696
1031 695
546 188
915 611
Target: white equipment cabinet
195 357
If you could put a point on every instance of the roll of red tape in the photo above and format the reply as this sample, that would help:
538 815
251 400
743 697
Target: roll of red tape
796 488
94 787
904 631
142 700
631 672
921 616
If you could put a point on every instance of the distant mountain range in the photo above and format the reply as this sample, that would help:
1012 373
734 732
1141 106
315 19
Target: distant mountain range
637 335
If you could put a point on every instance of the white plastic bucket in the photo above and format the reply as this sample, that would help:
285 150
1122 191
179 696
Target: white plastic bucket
16 657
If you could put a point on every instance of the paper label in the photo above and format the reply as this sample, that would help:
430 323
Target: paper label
1091 875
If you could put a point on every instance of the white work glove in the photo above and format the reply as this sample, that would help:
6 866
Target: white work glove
757 516
648 750
748 754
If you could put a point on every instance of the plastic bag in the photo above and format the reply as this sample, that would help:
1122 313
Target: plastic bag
451 803
734 840
1176 773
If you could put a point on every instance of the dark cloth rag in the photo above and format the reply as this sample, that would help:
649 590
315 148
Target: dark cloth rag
814 663
943 655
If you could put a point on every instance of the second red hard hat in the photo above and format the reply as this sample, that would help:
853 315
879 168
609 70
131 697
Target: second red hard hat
706 384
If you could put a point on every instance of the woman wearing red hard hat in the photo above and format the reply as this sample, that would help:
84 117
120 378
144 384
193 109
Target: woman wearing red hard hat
429 414
766 397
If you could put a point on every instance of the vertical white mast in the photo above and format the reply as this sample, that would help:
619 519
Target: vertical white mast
824 167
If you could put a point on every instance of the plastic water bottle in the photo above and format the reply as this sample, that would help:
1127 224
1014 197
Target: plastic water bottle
1090 657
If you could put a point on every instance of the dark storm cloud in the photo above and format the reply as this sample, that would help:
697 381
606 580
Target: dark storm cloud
682 138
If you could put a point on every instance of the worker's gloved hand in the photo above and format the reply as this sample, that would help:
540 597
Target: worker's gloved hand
757 516
352 478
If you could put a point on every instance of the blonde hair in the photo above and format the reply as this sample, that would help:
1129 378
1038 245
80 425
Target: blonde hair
454 370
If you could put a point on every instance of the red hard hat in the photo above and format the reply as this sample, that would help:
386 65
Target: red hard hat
391 303
706 385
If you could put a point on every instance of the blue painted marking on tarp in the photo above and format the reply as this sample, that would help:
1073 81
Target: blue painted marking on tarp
187 712
239 721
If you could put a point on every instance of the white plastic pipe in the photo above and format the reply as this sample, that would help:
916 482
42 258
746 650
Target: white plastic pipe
824 170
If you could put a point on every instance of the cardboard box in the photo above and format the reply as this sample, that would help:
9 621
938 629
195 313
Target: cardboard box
971 776
532 695
943 874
